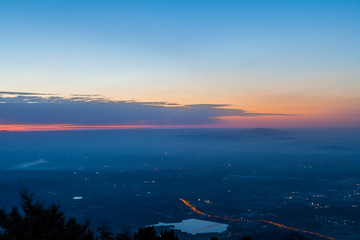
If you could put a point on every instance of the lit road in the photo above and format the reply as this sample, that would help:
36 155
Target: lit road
194 209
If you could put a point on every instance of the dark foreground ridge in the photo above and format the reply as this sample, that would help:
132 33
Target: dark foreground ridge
36 221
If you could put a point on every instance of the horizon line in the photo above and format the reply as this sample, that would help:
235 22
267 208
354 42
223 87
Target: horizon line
36 127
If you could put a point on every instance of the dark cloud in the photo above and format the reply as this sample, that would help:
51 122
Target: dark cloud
155 103
24 93
242 113
208 105
93 109
85 95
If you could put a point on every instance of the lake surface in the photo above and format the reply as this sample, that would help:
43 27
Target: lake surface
194 226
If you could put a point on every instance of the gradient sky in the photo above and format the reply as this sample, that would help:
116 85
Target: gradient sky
297 58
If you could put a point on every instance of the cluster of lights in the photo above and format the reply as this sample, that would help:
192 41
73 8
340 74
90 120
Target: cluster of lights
193 208
318 205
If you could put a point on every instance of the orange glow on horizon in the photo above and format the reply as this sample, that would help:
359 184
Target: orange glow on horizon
223 122
62 127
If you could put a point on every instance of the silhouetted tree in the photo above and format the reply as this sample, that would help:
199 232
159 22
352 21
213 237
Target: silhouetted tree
38 222
147 233
168 235
124 235
105 233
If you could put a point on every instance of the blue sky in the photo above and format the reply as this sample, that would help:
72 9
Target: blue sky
292 57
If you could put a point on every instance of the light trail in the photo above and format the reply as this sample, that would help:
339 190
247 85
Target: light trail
194 209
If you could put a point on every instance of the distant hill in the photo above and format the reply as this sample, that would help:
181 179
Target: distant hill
295 236
267 132
233 133
279 234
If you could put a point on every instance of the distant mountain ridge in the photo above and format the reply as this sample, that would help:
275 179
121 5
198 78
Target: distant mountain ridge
267 132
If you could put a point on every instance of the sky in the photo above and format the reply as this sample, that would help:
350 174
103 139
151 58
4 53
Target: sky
181 63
